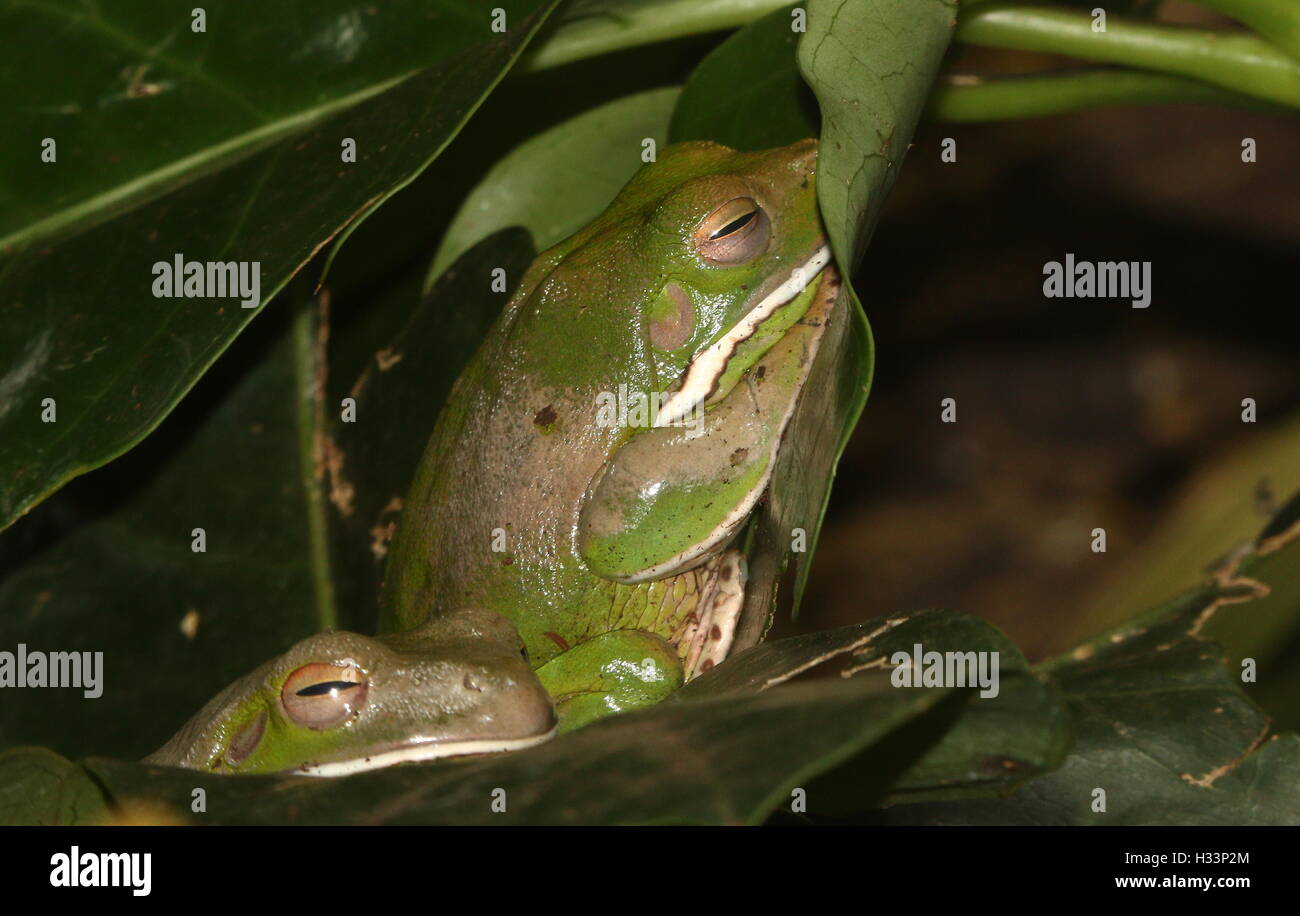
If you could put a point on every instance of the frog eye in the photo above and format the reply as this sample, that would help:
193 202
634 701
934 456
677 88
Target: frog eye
735 233
323 695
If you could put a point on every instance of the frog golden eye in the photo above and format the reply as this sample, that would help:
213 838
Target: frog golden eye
735 233
323 695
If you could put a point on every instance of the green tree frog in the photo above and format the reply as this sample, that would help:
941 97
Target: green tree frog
566 549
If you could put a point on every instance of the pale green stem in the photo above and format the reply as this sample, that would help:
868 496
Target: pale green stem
310 384
970 99
1276 20
1238 61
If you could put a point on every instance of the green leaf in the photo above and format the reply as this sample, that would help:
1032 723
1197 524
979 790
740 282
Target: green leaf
994 742
969 746
747 93
1265 630
558 181
833 398
38 788
119 86
872 64
78 322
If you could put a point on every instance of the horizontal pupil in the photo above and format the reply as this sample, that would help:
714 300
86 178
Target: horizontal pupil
324 687
734 226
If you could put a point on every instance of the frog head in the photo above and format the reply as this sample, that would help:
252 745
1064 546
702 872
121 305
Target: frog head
682 283
339 702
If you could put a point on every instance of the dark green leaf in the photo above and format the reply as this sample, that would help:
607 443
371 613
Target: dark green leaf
38 788
1162 725
723 760
118 86
107 566
748 94
971 746
996 741
249 465
558 181
78 322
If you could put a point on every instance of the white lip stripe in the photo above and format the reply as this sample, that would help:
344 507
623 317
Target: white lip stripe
431 750
708 365
739 512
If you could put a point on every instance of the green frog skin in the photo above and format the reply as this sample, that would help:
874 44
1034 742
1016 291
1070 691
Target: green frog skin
557 559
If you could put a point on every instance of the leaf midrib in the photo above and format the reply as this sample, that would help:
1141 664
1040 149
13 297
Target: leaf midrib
144 188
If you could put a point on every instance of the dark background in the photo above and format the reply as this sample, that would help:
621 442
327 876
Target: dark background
1072 413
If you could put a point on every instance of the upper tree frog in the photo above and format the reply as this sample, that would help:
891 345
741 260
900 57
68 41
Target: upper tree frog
565 550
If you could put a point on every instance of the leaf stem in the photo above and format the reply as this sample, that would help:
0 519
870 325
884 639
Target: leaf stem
1276 20
310 325
1238 61
963 99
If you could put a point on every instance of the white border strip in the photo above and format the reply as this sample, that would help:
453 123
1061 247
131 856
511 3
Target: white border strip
427 750
708 365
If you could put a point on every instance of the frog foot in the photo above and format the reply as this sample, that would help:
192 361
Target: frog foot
613 672
707 638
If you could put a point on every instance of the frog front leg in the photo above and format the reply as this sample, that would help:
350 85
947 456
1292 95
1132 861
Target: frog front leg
631 669
612 672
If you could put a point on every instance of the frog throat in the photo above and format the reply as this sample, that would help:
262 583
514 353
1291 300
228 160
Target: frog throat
707 367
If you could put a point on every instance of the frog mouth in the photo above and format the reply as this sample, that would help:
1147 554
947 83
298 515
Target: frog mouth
709 364
418 749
